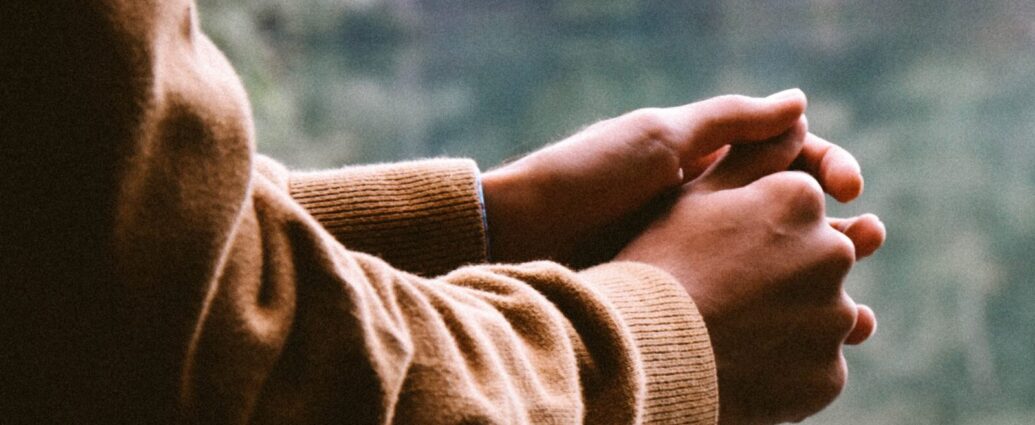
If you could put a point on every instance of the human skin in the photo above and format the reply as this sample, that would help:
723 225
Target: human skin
753 248
661 141
749 241
580 200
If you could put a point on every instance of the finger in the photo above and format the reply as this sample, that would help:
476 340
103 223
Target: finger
744 164
701 128
865 326
867 233
693 168
835 168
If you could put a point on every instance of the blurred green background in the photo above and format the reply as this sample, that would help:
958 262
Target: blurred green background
935 98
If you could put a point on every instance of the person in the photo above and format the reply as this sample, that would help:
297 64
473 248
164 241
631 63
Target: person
155 269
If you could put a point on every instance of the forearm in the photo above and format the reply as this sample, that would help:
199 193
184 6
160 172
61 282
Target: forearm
200 290
528 343
424 217
628 318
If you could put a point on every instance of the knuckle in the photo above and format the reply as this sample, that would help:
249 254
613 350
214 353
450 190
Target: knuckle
840 255
831 264
799 194
836 379
823 385
845 317
830 381
839 376
648 120
655 147
806 193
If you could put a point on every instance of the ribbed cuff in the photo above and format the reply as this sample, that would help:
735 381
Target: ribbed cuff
423 217
681 382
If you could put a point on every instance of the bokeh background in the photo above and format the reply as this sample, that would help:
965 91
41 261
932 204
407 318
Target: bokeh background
936 98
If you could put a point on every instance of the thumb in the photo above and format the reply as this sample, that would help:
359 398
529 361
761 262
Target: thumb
748 162
705 126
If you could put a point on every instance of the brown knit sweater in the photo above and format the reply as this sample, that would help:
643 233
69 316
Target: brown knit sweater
155 270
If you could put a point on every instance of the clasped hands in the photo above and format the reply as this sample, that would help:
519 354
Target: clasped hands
726 195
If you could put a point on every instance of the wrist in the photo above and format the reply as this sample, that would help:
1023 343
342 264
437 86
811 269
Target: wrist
512 209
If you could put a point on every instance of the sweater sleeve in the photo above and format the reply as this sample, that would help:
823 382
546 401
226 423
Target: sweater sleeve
532 343
424 217
624 317
158 272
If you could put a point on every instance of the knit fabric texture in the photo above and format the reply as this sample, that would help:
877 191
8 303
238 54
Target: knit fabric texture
157 270
423 216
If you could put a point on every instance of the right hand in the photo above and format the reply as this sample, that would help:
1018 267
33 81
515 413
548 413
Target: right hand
752 246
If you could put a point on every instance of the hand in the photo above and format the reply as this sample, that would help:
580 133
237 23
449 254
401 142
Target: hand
765 267
581 200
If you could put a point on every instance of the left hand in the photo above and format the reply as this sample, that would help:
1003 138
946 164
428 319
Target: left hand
764 265
580 200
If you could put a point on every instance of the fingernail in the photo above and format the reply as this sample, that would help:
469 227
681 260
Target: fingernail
786 94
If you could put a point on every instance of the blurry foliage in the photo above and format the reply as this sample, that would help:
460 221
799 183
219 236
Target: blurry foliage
935 98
